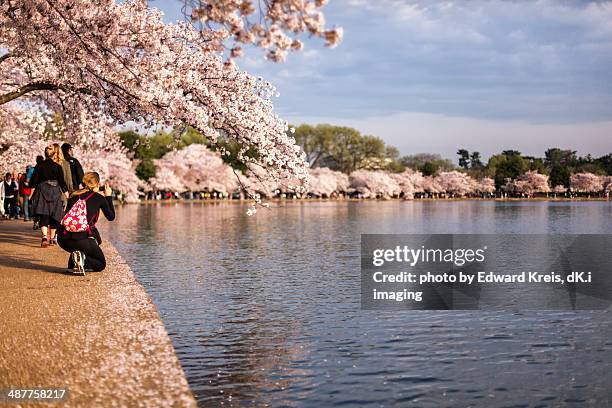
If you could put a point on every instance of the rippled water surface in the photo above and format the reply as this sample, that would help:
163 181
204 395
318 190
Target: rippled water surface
265 310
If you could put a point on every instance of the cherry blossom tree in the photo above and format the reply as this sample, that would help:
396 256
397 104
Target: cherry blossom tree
114 168
606 181
123 62
528 184
455 183
22 136
537 183
559 189
197 168
374 184
432 186
26 130
586 183
325 182
410 182
485 186
257 185
166 180
271 25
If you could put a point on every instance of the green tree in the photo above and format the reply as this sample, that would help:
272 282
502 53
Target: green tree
536 164
427 163
555 156
129 139
429 169
464 158
559 164
476 161
145 169
192 136
392 155
316 141
559 175
605 162
507 165
145 149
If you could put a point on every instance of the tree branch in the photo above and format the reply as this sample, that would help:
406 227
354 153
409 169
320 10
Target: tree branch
5 57
39 86
36 86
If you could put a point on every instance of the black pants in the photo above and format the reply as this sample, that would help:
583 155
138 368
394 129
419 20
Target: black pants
94 257
45 220
10 206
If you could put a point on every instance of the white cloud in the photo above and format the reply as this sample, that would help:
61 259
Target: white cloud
311 54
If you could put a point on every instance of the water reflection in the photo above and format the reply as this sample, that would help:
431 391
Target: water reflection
265 310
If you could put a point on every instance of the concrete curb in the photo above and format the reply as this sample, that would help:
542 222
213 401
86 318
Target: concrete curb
100 335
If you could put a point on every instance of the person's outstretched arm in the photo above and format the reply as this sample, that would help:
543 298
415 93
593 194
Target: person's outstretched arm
107 207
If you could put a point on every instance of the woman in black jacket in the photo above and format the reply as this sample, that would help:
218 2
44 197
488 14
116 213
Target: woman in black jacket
84 247
49 185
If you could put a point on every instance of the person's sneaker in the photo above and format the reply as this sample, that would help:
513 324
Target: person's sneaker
44 243
79 262
36 225
53 241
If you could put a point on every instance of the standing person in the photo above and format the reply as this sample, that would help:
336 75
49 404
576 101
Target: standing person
49 185
39 159
24 193
10 196
18 205
2 198
75 166
65 168
84 246
30 173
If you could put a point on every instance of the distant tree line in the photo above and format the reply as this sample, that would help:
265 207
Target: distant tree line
558 164
346 150
145 149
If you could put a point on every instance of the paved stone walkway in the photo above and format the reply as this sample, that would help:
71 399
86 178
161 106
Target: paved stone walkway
100 335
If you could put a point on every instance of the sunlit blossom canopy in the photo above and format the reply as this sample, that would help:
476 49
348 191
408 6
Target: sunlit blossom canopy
121 62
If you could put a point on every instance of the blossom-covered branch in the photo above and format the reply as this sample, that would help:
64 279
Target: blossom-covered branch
122 60
273 25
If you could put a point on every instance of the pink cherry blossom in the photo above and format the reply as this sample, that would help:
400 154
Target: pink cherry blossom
410 182
586 183
271 25
528 184
121 61
325 182
166 180
374 184
455 183
431 185
485 186
559 189
194 168
606 181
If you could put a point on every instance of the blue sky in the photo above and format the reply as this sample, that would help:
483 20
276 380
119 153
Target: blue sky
434 76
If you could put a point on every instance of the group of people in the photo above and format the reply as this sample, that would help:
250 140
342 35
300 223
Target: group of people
15 195
65 203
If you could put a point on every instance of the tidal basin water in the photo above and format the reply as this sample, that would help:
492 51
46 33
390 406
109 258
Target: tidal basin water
265 310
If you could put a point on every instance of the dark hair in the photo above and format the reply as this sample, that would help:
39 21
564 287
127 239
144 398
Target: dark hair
39 159
7 175
65 148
